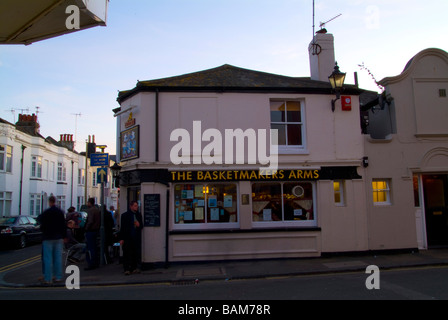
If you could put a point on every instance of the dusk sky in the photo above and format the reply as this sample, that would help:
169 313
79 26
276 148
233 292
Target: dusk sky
81 73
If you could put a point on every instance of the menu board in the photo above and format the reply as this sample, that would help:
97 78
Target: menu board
151 210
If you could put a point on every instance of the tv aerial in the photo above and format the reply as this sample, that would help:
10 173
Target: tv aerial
315 48
322 24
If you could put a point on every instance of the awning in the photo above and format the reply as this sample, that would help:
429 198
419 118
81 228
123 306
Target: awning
28 21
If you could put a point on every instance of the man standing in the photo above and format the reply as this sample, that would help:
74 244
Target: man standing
52 225
130 238
93 226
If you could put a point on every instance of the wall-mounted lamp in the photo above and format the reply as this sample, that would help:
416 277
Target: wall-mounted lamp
337 79
115 169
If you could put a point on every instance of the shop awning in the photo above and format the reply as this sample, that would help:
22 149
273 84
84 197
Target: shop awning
28 21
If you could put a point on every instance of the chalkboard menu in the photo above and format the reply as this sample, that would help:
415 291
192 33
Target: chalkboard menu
151 210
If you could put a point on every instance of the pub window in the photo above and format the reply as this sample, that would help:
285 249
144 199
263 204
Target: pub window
282 203
381 191
205 204
287 118
338 189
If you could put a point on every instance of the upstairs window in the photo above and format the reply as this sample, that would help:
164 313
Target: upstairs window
287 116
5 158
381 191
36 167
62 172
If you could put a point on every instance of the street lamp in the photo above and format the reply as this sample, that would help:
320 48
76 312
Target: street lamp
115 169
337 79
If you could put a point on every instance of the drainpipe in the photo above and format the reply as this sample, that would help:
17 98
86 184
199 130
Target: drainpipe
157 125
71 196
21 180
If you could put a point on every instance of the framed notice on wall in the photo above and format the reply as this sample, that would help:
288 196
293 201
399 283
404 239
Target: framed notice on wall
151 210
130 143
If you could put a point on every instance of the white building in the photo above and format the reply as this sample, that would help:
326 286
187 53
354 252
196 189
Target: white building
32 168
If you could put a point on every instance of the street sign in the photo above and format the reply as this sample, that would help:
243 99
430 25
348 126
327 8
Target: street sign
101 175
99 159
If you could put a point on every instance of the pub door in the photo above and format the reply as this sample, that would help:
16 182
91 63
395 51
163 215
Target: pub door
435 191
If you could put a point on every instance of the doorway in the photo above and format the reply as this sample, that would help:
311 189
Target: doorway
435 192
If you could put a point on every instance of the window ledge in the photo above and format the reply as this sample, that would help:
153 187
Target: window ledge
255 230
292 150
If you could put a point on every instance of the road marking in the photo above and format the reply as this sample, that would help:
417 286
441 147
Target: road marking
20 264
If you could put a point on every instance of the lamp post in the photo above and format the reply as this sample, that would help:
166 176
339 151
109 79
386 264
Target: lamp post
337 79
115 169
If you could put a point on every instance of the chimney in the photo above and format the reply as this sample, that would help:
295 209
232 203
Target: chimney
322 58
67 141
28 124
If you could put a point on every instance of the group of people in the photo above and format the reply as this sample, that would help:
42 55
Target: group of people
59 231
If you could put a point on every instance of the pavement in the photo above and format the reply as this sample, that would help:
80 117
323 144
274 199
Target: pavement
26 275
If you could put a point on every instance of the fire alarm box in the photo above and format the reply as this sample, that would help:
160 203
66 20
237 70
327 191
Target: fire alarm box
346 102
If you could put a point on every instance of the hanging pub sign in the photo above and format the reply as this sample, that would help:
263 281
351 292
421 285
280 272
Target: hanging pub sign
129 143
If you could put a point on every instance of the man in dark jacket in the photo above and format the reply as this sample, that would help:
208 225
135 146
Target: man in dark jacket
52 225
130 238
93 226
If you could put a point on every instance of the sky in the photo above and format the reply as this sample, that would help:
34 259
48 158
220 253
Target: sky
74 79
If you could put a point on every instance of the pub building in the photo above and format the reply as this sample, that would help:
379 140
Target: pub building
206 194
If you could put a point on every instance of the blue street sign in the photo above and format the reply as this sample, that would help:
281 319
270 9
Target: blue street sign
101 175
99 159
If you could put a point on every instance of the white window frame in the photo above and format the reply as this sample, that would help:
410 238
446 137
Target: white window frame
5 203
52 170
292 149
81 177
35 205
62 172
207 225
36 167
6 163
60 202
340 192
288 223
386 190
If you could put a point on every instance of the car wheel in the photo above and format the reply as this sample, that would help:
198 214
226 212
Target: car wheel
22 241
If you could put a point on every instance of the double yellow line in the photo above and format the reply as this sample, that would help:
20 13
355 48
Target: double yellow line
20 264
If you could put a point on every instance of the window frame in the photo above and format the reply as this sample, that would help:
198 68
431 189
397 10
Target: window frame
35 204
6 161
5 203
287 223
386 191
341 192
62 172
291 149
36 165
208 225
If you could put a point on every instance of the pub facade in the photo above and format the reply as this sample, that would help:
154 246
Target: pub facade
231 163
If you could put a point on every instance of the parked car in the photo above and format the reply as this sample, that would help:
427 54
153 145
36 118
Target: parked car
19 231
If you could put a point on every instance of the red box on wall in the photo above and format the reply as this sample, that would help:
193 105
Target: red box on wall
346 102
